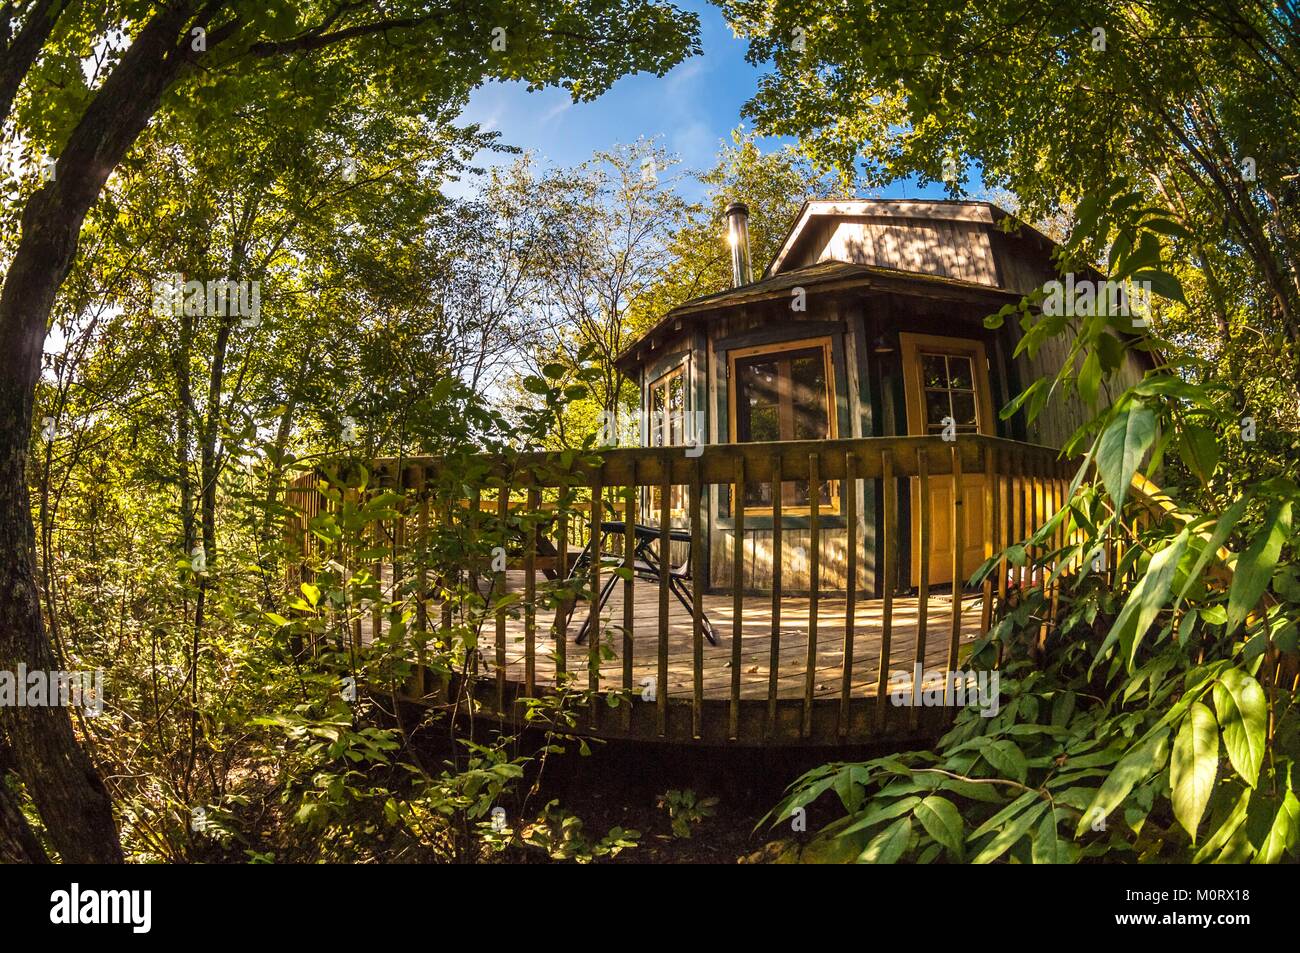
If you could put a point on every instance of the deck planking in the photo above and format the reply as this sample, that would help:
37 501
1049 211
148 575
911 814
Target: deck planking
755 642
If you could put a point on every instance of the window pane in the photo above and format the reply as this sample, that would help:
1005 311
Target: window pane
963 408
808 397
936 408
757 400
763 425
758 494
676 409
657 394
934 372
959 372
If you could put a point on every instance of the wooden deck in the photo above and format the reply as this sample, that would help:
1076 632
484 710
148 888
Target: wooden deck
756 642
729 694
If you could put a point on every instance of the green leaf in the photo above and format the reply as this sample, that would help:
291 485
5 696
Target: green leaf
1231 516
1139 764
311 592
1090 377
1200 451
1009 834
1255 566
1006 759
1243 712
1145 601
1121 447
1162 283
887 846
881 813
1284 832
535 385
1032 391
941 821
1047 847
1236 817
1193 767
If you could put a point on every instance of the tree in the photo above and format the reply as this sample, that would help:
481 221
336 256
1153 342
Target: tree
604 229
210 58
773 185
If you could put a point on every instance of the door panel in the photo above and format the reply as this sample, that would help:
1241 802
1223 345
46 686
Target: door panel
946 384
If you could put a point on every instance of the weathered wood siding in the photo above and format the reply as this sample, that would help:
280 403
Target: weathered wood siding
927 246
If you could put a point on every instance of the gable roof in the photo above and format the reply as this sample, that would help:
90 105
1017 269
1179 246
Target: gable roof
949 210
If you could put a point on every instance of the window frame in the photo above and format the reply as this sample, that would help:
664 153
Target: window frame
664 382
912 345
826 344
677 501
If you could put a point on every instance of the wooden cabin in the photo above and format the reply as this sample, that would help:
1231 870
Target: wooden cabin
855 376
869 322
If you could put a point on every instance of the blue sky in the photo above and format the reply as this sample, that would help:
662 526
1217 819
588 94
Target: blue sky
691 110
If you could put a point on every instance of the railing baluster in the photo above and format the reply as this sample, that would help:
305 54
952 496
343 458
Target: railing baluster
629 603
738 598
889 546
422 580
814 583
849 493
990 533
665 561
594 537
530 595
444 584
377 567
923 582
958 545
560 627
498 591
1017 488
698 569
774 650
1006 527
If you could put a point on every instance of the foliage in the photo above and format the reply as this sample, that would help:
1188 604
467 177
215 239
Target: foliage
1157 722
686 809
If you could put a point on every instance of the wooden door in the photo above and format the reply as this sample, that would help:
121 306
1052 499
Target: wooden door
946 381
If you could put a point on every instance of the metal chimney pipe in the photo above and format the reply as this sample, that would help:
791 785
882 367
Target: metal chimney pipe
738 238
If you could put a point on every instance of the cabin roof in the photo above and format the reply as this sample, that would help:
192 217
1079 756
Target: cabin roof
824 276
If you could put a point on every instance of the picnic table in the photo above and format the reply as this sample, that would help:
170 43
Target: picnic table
646 563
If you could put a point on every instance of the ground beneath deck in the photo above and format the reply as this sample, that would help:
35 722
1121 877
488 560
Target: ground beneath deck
756 637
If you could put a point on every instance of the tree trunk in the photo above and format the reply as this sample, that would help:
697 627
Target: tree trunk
67 791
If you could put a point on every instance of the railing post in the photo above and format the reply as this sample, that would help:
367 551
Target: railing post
738 598
774 650
814 584
849 494
889 546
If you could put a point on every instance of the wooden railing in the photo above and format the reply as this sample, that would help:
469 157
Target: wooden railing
833 688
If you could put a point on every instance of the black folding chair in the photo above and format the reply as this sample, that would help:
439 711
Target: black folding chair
646 564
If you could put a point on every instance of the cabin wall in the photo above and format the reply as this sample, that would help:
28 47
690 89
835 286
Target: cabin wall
1026 267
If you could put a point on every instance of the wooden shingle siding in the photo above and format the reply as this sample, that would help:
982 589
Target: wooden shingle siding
949 249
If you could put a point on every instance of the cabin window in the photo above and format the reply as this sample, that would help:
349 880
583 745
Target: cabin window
783 392
668 409
948 383
667 428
